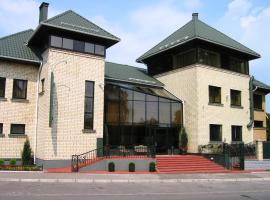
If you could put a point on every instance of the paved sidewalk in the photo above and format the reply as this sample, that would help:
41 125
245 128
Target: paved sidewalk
129 178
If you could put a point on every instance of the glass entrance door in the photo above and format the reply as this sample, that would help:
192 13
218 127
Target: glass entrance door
161 140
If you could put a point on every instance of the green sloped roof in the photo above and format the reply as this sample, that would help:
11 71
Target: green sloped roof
196 29
72 21
261 85
126 73
14 47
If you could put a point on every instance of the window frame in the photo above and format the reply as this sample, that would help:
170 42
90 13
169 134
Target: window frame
1 128
92 112
11 129
4 86
220 129
13 91
233 100
256 124
234 127
215 97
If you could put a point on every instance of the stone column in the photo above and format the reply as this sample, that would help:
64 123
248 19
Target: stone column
259 150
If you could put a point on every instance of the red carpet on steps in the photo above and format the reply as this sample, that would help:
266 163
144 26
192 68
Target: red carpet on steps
187 163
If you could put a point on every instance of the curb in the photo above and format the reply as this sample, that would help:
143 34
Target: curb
85 181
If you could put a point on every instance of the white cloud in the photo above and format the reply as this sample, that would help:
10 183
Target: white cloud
250 25
147 26
19 15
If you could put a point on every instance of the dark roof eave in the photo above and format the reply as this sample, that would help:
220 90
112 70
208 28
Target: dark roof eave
134 82
19 59
140 59
116 40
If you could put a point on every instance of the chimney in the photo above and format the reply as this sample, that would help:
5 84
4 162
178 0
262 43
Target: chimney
43 12
195 16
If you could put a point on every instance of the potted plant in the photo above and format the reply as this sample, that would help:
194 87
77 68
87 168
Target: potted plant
183 141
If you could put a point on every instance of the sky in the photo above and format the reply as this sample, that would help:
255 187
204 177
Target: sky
141 24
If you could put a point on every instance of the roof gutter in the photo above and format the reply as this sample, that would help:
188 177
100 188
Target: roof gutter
37 110
251 106
20 59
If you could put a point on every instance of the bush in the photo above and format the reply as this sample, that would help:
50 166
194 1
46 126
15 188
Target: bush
26 153
2 162
12 162
111 167
131 167
152 167
183 140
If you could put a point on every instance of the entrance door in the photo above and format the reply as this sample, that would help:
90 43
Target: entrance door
161 140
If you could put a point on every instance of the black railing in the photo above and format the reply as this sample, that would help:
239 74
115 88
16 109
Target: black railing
108 151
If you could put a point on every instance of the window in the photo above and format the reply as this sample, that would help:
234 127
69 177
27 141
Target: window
1 128
215 133
258 124
19 89
186 58
236 133
257 100
67 43
89 47
78 46
2 86
99 50
56 41
17 129
43 85
89 105
214 94
235 98
209 58
238 65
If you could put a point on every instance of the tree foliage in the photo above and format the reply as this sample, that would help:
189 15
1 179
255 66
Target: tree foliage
27 153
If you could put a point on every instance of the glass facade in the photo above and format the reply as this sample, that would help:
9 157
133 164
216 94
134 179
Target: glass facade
135 116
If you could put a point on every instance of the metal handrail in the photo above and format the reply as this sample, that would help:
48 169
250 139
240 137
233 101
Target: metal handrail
108 151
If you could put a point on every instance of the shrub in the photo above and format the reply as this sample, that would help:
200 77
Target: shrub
131 167
2 162
12 162
111 167
183 140
26 153
152 167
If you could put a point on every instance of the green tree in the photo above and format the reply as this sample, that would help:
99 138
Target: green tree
183 140
268 126
27 153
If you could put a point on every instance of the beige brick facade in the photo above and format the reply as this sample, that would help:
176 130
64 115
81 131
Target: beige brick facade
191 84
17 112
260 115
66 136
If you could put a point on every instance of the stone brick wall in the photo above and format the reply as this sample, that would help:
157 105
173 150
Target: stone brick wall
66 136
191 84
260 115
18 112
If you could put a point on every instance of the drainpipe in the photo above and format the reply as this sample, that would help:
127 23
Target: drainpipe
37 109
251 91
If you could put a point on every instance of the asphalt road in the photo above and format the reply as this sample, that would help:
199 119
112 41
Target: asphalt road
135 191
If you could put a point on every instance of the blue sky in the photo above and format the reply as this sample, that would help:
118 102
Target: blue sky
143 23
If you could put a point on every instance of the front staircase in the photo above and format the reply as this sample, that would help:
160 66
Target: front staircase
187 163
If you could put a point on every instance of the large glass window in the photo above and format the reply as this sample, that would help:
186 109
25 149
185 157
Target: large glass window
215 133
17 129
56 41
236 133
89 105
257 101
89 48
2 86
214 94
67 43
238 65
208 57
164 111
99 50
186 58
126 111
19 89
78 46
235 98
176 113
139 112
